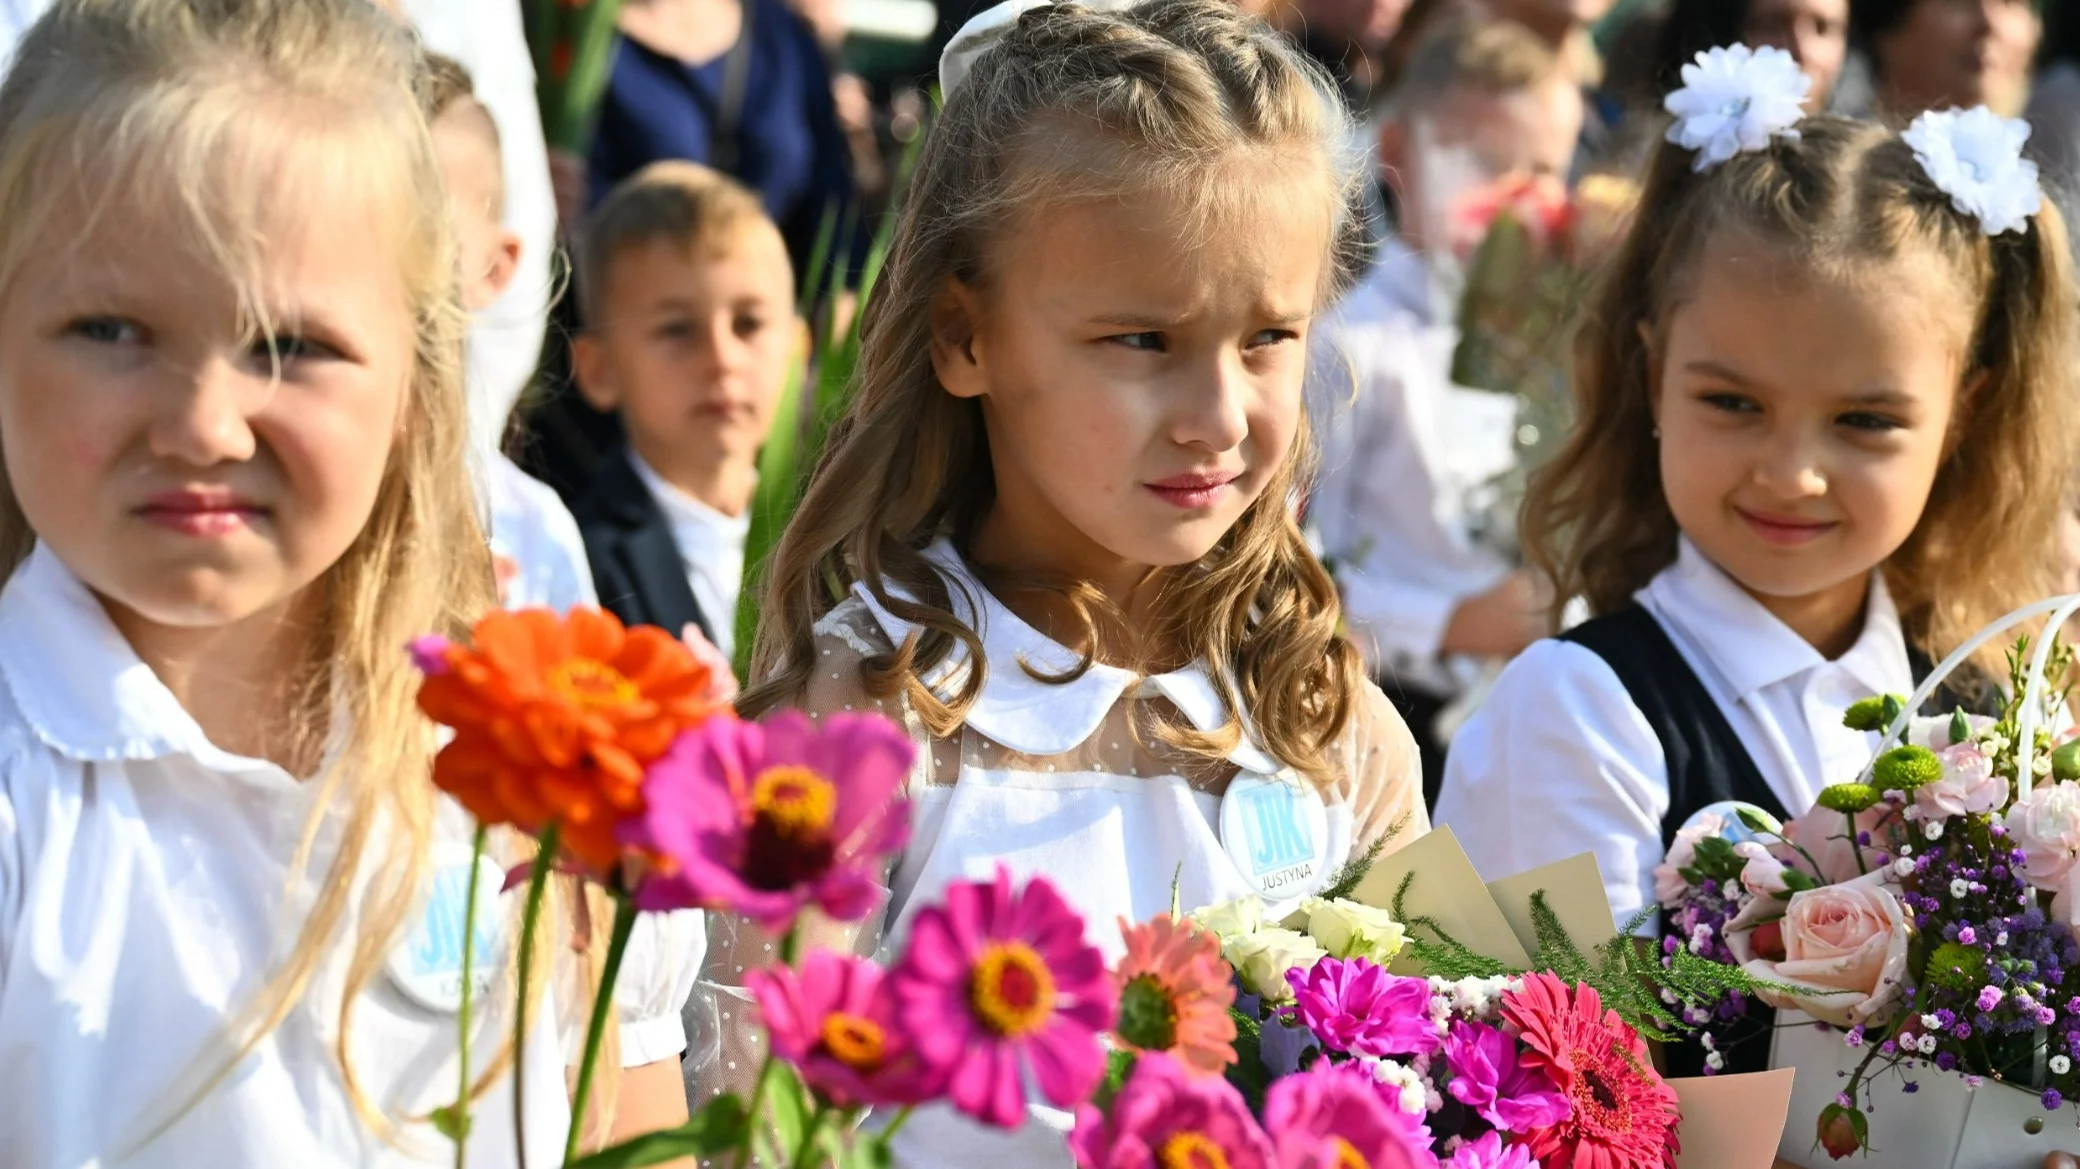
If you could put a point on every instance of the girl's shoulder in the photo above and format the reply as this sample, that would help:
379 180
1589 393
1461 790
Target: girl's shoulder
1379 772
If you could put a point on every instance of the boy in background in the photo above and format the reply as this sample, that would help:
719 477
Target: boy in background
1404 450
534 540
689 298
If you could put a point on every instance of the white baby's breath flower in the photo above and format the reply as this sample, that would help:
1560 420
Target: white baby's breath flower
1975 157
2060 1065
1933 830
1903 867
1735 100
1959 887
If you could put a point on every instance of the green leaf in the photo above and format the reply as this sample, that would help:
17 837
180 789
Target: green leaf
1798 882
868 1154
1758 820
1894 707
719 1127
451 1121
787 1106
1960 726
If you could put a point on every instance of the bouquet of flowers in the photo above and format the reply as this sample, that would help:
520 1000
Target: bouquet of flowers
1925 910
1526 247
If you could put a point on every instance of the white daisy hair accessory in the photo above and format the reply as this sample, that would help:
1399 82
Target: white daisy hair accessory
1975 157
1737 99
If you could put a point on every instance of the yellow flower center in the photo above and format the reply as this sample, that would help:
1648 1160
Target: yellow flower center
796 801
1191 1150
1348 1157
853 1041
592 685
1012 990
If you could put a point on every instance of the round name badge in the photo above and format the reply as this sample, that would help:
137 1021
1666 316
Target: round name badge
427 964
1276 830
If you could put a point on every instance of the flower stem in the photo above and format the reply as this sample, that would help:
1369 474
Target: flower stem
805 1157
902 1117
469 953
602 1005
537 884
1855 845
755 1110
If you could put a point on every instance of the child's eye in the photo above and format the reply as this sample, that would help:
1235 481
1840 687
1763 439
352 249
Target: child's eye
675 330
1864 420
1146 342
1730 403
107 330
750 326
1272 337
287 347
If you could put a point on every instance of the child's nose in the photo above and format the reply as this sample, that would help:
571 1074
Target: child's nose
1792 467
1214 412
206 416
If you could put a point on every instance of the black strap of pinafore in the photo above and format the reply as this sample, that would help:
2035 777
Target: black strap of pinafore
1707 763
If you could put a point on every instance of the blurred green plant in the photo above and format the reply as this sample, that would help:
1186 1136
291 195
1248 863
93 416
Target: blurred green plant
572 42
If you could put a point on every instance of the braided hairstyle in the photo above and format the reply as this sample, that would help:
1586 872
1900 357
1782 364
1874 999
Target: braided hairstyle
1168 98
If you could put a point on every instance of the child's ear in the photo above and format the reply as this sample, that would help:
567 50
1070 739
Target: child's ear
505 264
595 380
955 313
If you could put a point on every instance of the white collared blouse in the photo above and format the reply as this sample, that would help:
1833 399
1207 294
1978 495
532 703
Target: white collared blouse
1559 760
1061 780
711 550
146 893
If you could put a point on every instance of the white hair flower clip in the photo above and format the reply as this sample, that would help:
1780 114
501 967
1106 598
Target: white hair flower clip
1975 156
1737 99
987 27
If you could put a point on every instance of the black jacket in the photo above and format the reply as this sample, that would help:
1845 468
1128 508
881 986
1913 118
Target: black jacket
635 562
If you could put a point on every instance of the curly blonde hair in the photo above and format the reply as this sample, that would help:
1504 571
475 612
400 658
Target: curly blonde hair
1074 104
1842 194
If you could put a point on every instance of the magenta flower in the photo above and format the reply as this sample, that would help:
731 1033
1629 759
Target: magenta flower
1489 1077
996 980
1490 1153
1331 1117
835 1022
1164 1117
762 820
1357 1007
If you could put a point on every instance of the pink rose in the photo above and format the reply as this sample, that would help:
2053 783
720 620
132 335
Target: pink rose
1848 942
1763 875
1968 785
2046 827
1670 886
1824 836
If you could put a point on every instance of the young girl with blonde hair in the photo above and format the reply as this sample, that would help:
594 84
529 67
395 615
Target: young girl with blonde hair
1825 432
232 421
1054 534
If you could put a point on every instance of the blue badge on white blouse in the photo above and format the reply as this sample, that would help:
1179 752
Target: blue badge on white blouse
427 965
1276 830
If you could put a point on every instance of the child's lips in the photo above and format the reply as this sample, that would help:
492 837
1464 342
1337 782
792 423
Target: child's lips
204 512
1785 531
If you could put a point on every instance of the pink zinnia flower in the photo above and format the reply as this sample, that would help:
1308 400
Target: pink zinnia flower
1489 1153
1333 1118
835 1022
997 979
763 820
1622 1114
1164 1118
1488 1077
1357 1007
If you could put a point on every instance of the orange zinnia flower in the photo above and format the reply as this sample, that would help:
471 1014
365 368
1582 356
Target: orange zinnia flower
1174 994
555 718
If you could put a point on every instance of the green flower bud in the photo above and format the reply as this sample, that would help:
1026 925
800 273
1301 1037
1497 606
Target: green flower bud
1960 727
1906 768
1865 714
1849 797
1955 967
2065 762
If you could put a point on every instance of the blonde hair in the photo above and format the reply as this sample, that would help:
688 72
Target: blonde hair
1844 194
1490 57
684 204
1072 105
160 96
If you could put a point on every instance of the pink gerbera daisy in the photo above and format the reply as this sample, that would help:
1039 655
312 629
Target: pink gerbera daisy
834 1021
1167 1119
1332 1117
764 819
1622 1114
997 979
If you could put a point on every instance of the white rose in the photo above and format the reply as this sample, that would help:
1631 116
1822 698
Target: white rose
1230 919
1349 930
1262 959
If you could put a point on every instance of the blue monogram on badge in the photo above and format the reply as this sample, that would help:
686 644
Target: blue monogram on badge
1278 836
428 966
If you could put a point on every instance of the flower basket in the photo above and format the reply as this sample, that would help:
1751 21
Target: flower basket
1943 1124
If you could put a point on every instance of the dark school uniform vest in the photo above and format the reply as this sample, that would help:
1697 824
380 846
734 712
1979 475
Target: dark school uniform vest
1707 764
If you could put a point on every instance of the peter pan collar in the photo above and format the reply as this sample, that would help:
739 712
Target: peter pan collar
1039 718
79 686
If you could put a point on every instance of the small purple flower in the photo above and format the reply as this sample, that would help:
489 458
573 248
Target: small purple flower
1989 997
1355 1006
1968 936
2052 1100
1489 1077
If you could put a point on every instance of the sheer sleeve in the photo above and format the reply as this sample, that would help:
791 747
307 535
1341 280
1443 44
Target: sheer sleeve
1383 775
725 1048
